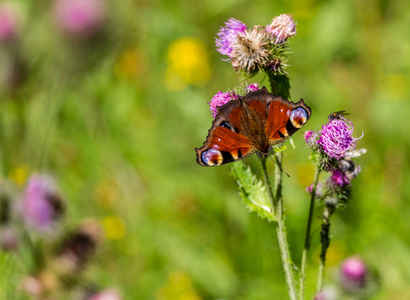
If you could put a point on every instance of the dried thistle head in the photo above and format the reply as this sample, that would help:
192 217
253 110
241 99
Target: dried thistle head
250 51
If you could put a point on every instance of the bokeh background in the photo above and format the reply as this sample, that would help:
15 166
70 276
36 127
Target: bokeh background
114 111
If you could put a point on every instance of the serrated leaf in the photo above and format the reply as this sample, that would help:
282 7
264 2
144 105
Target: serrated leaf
253 195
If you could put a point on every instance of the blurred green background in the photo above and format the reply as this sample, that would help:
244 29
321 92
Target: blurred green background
116 117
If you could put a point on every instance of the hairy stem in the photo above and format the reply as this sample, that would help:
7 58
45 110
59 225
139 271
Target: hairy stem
306 247
277 210
325 241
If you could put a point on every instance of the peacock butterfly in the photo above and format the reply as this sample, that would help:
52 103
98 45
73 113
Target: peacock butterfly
254 122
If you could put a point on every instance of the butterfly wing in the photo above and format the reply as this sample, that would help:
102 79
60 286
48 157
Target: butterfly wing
223 146
285 118
225 143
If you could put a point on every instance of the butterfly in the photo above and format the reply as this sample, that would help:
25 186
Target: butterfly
255 122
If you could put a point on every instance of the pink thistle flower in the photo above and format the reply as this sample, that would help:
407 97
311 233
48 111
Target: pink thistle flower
42 205
281 28
9 24
353 274
79 17
336 138
228 35
220 99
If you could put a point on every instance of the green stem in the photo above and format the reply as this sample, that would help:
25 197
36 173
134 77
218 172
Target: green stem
325 241
306 247
272 199
277 210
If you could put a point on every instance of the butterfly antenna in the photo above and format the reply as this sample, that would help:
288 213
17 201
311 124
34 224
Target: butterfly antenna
279 166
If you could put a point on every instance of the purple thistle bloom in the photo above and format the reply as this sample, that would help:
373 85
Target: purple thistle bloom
353 274
228 35
281 28
336 138
220 99
42 205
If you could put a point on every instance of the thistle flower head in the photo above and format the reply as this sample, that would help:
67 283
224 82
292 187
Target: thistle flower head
228 35
250 51
42 205
336 138
353 274
281 28
220 99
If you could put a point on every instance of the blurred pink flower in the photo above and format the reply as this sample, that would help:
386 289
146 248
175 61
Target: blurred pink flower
9 24
79 17
42 205
107 294
353 273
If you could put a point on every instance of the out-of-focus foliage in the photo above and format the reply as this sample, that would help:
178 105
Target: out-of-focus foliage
115 116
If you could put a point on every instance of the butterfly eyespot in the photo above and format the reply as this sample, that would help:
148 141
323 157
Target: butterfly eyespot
226 125
212 157
298 117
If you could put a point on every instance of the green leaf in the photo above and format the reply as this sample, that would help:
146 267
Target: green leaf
253 192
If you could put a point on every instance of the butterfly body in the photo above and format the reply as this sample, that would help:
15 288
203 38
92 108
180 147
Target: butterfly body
255 122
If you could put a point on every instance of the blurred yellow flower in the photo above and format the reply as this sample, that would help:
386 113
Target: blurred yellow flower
187 64
19 175
178 287
130 64
114 228
106 193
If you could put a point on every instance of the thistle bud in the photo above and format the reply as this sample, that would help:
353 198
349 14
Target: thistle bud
353 274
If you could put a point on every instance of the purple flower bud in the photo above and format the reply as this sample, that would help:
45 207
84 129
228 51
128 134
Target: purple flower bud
79 17
311 138
353 274
328 293
9 24
318 192
281 28
228 35
252 87
336 138
220 99
42 205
